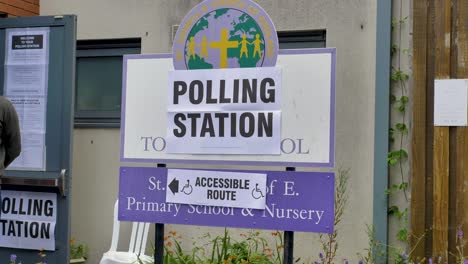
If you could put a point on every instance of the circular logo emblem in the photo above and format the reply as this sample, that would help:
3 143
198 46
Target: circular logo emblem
219 34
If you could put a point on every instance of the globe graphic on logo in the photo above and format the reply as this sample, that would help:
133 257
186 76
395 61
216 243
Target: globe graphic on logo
224 38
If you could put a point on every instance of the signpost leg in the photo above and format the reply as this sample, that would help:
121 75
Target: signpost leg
158 243
159 237
289 239
288 247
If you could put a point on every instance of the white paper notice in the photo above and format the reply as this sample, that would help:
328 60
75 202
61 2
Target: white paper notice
32 152
28 220
228 111
26 82
216 188
450 102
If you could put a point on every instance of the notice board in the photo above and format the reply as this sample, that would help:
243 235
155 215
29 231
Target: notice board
37 56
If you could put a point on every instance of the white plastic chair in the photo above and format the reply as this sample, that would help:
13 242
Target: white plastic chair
137 245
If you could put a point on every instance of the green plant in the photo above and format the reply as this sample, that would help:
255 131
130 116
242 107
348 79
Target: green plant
253 248
78 250
41 254
397 158
329 241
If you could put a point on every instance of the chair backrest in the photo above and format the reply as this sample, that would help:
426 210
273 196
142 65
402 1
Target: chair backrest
138 238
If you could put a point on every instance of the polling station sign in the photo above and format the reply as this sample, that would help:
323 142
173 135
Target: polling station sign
231 111
295 201
224 57
28 219
307 112
232 96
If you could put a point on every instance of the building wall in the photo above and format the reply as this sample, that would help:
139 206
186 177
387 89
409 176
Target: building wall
19 8
351 28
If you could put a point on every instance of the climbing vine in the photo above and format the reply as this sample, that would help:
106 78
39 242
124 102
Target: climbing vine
398 134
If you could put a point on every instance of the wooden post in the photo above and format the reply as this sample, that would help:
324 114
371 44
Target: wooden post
460 65
419 167
442 32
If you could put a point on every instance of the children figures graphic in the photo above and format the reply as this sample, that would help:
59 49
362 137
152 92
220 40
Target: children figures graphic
223 45
244 49
256 44
191 48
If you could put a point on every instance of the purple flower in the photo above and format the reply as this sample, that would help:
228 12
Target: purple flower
404 256
431 261
460 233
361 261
466 261
321 256
346 261
12 258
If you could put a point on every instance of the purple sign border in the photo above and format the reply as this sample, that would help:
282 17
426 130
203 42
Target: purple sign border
268 62
329 164
317 189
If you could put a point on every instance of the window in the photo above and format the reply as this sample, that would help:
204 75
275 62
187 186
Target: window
302 39
99 80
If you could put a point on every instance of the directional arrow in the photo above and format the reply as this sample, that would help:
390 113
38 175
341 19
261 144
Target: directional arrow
174 186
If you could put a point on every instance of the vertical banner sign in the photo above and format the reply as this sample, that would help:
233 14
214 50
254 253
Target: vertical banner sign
26 72
27 220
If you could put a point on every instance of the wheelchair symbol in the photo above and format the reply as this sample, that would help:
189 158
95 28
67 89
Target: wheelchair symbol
187 189
257 193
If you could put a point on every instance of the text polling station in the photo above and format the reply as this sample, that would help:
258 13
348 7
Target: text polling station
230 111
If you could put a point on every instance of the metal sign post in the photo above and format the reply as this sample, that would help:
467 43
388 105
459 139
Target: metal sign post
289 239
159 237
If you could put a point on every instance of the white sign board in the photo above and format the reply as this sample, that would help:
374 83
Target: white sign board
216 188
229 111
450 102
28 219
307 112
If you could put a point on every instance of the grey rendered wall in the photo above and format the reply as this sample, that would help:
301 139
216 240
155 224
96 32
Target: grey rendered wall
351 28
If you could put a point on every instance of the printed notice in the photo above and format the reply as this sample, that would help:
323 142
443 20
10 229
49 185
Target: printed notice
27 220
229 111
26 82
217 188
450 102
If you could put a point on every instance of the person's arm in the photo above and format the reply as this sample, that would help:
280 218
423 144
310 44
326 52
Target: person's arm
11 135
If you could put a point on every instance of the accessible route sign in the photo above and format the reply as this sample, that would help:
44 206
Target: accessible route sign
295 201
218 188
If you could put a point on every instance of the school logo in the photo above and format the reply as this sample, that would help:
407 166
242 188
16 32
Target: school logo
219 34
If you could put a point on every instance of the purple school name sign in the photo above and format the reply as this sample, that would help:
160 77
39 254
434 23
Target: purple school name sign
296 201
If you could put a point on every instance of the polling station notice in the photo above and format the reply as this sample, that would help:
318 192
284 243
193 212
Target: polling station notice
229 111
28 219
295 201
